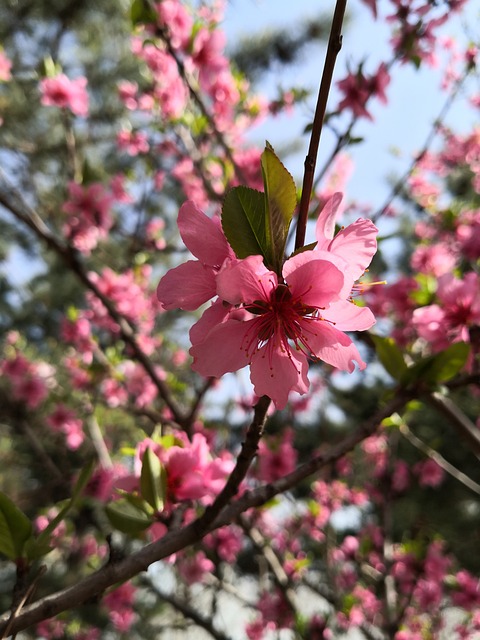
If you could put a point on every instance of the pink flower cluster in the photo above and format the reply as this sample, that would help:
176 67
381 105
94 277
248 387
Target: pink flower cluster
89 215
274 324
60 91
193 473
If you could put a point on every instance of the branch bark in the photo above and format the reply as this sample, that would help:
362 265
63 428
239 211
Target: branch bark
334 46
174 541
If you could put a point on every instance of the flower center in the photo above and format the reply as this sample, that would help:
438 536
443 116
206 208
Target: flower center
279 321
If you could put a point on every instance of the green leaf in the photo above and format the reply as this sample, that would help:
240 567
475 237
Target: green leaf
15 528
141 13
126 517
440 367
243 222
35 549
390 356
281 200
447 363
80 485
306 247
152 483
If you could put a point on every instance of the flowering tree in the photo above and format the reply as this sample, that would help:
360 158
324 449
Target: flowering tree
151 487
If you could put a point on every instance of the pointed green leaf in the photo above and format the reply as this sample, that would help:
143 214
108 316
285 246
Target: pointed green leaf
80 485
141 12
15 528
243 221
447 363
35 549
390 356
126 517
306 247
440 367
281 199
151 480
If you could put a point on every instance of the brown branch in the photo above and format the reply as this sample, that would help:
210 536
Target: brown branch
463 425
439 459
334 46
190 613
174 541
16 205
245 457
274 564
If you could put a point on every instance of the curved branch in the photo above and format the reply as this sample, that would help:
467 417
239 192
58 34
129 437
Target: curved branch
16 205
174 541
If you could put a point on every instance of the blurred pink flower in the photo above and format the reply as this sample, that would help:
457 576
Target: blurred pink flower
62 92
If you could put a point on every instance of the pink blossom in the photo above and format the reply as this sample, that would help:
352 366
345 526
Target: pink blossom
306 309
430 474
435 259
119 605
400 476
275 325
5 67
354 88
89 215
63 420
278 459
133 142
459 310
128 94
174 15
31 389
207 55
193 283
62 92
194 567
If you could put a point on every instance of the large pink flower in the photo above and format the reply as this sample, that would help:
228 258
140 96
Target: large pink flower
284 322
193 283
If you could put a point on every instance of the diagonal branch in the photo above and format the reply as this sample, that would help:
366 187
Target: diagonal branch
16 205
174 541
190 613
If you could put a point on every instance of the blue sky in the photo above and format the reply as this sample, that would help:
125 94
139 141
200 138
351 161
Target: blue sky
399 129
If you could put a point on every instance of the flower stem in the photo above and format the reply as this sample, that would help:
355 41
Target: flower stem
334 46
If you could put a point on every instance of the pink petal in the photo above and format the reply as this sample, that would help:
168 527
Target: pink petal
216 314
202 237
346 316
222 350
357 244
314 277
245 281
275 372
331 345
187 286
325 227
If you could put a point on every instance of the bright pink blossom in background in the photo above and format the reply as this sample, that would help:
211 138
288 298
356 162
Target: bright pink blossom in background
5 67
62 92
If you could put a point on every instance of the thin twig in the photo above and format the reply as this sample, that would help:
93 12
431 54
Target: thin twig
462 423
274 564
439 459
16 205
173 542
400 184
26 596
245 457
190 613
334 46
